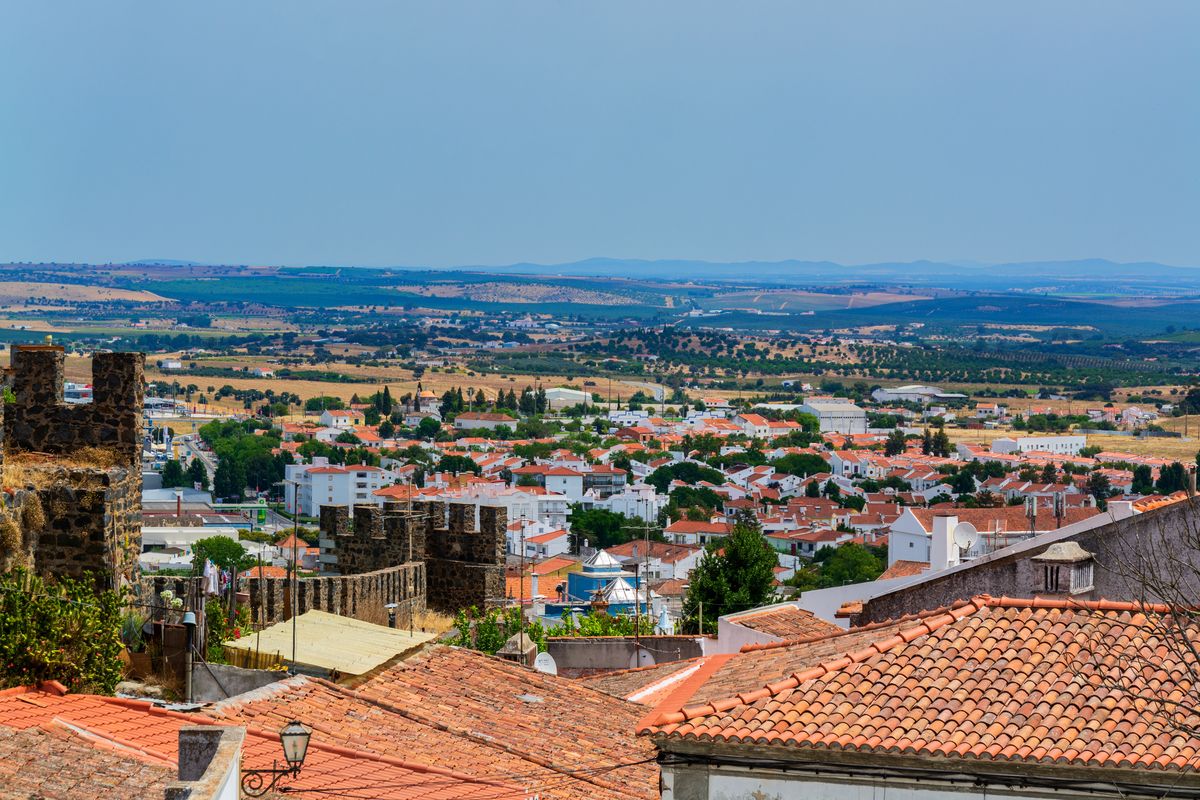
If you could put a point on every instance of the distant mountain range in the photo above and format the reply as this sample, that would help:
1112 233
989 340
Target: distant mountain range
792 270
1077 276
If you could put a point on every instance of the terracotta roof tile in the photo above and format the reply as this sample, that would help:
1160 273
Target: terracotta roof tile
1013 679
786 622
552 722
150 734
51 761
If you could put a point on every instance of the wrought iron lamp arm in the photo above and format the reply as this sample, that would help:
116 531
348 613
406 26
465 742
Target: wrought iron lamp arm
255 783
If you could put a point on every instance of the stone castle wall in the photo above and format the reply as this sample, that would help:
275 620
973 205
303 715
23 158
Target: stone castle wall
40 422
92 523
74 518
463 562
363 596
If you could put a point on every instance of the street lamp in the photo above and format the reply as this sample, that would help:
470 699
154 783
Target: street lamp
294 739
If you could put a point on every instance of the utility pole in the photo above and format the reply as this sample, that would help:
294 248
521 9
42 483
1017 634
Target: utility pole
295 577
644 576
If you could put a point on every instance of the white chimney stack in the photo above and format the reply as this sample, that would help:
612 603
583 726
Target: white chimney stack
943 552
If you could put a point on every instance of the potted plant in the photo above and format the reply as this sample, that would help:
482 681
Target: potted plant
133 636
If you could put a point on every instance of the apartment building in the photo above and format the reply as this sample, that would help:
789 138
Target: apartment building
307 487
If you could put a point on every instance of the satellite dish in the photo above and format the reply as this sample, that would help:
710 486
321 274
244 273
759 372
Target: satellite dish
545 663
965 535
641 658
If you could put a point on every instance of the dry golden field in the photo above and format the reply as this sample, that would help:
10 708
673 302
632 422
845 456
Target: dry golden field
23 290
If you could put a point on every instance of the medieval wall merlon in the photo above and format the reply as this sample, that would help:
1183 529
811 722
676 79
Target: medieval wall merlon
40 422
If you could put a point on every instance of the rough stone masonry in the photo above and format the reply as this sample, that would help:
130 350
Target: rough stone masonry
463 562
74 517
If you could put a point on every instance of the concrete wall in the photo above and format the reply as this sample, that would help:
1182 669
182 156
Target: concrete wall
701 782
212 683
577 656
1167 535
210 763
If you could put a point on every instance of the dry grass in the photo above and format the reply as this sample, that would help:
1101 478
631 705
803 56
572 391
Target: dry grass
1180 449
433 622
23 290
41 471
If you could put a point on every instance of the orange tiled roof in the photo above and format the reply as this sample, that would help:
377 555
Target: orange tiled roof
646 686
432 736
1015 680
153 733
53 761
904 569
566 725
788 622
554 564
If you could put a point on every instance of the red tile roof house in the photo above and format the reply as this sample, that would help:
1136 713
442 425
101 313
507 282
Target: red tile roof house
991 697
775 623
90 747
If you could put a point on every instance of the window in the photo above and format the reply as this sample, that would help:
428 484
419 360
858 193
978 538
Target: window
1081 577
1051 576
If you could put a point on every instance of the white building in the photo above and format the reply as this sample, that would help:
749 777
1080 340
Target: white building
478 420
561 397
535 504
836 415
307 487
640 501
341 419
914 393
1060 445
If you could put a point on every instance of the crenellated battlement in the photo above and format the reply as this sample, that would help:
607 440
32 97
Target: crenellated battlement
464 560
40 422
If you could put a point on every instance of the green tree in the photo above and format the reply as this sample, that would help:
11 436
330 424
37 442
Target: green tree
734 574
198 473
895 444
592 624
172 474
801 464
487 631
1171 479
1049 473
324 403
687 471
229 481
453 463
1143 479
941 443
222 551
603 528
428 428
1098 486
850 563
812 489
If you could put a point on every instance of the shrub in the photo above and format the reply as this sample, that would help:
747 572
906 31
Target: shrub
63 630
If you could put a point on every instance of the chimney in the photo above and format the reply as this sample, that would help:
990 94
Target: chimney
533 585
941 546
178 506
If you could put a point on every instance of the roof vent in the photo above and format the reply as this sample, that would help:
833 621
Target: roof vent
1064 568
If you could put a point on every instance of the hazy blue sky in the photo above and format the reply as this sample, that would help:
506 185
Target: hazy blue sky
491 132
